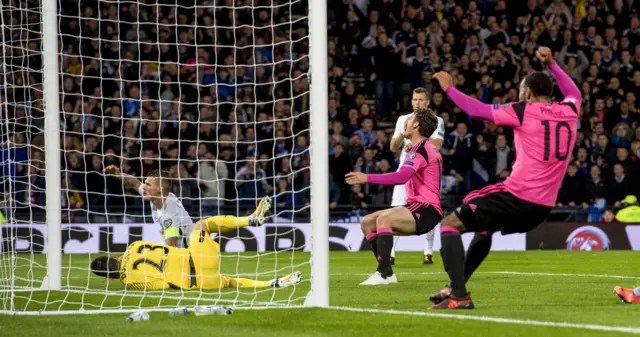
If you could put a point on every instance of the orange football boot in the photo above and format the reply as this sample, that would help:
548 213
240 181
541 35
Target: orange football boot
626 295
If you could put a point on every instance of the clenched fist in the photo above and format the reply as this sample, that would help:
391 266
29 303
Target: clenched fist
444 79
112 169
544 55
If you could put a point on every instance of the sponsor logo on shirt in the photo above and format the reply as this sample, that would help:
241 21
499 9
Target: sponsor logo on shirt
410 163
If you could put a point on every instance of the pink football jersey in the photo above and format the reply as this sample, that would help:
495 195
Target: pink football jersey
544 137
424 185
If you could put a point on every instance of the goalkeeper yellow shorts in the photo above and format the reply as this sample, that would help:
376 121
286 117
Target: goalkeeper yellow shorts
206 259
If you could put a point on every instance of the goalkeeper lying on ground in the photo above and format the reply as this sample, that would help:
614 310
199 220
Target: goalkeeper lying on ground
151 266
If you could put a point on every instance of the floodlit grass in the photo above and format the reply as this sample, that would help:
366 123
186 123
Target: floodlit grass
537 286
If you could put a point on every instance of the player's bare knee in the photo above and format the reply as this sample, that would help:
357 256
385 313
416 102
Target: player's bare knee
384 221
368 224
451 223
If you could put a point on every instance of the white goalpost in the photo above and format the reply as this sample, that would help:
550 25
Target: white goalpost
230 97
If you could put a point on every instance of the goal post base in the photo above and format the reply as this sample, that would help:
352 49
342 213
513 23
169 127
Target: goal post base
46 284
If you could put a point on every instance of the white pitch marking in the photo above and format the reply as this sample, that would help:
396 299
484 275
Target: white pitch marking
506 273
632 330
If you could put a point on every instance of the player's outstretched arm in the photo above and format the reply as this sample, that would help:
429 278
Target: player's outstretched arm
473 107
128 181
390 179
567 87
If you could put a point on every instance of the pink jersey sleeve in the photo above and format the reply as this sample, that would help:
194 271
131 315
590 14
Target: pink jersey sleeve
415 160
509 114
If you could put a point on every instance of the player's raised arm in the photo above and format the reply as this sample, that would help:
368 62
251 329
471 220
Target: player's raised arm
437 139
398 136
565 83
471 106
128 181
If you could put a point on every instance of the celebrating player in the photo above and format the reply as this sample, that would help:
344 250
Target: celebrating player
169 215
148 266
544 136
420 175
419 100
628 295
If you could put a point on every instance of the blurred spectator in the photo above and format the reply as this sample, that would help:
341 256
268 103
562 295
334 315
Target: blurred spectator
334 192
212 175
459 151
609 216
572 192
595 189
189 82
619 186
358 198
631 210
384 193
251 182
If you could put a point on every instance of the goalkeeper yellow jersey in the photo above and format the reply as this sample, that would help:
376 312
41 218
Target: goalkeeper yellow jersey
151 266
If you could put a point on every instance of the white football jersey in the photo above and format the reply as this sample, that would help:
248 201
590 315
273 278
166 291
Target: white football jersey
398 198
173 215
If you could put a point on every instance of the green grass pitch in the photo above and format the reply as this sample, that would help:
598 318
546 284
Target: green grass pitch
529 290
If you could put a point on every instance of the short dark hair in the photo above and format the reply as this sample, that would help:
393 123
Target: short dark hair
105 266
166 179
539 83
427 121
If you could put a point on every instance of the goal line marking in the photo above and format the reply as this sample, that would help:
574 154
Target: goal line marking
505 273
632 330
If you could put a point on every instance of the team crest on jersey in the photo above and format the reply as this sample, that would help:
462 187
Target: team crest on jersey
506 105
168 223
411 155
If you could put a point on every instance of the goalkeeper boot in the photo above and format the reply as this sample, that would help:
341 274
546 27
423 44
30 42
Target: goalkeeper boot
287 281
392 261
441 295
428 259
259 216
455 302
626 295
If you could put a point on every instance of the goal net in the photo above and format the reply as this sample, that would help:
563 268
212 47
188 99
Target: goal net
215 92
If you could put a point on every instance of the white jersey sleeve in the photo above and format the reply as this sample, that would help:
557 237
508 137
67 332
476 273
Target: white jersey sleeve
399 130
400 125
439 133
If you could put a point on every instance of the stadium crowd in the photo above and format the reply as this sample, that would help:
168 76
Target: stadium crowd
226 111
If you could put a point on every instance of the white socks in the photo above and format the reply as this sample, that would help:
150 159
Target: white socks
428 245
393 249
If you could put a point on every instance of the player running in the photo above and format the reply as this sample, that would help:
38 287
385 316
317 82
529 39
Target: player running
627 295
419 100
149 266
420 175
544 137
168 214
